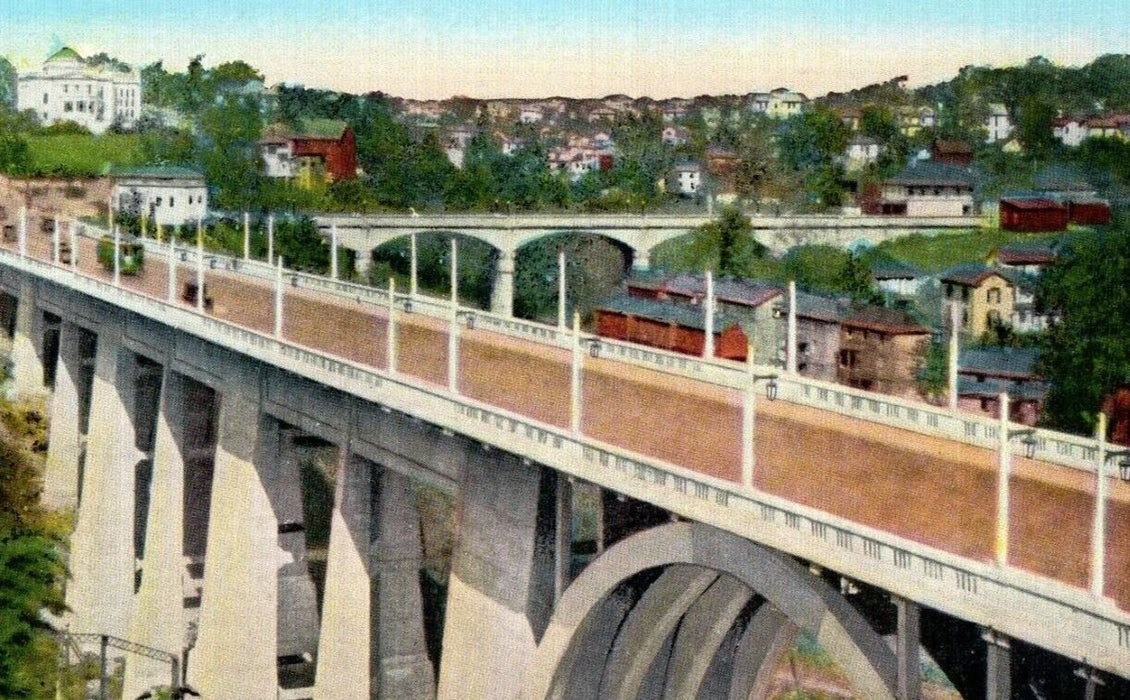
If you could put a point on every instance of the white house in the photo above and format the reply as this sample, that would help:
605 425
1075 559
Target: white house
168 196
998 124
1069 130
759 102
926 188
861 151
785 103
674 136
66 89
530 115
685 178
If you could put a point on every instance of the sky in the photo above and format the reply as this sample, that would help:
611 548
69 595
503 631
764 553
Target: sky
578 48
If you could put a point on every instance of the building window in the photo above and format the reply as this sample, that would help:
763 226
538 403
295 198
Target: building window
45 100
68 107
847 358
172 201
993 296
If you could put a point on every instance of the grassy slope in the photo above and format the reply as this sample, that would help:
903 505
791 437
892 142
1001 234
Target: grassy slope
84 155
937 252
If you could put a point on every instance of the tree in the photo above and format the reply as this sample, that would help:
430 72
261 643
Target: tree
1034 118
7 83
15 157
227 150
1088 352
726 245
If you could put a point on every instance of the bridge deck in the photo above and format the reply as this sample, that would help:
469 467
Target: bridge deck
927 489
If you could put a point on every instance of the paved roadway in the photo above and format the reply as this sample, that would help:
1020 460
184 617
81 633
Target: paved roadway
934 491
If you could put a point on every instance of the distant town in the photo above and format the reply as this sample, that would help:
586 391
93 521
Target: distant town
1023 158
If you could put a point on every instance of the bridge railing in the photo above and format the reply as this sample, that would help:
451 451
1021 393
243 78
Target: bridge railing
1050 446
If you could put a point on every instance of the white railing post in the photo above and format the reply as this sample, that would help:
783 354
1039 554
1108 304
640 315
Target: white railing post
453 330
73 228
110 209
390 331
279 299
55 242
117 256
576 376
952 359
708 345
246 236
22 246
172 281
1004 473
561 289
1098 535
333 251
270 239
412 286
749 407
791 363
199 269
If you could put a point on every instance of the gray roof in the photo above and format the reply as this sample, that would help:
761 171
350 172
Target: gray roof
889 269
664 311
1004 362
160 172
928 172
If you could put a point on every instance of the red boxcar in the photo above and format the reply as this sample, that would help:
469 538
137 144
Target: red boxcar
1033 215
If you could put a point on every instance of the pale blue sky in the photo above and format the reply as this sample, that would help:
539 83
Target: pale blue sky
437 48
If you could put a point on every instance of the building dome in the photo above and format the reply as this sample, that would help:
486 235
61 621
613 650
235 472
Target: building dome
65 54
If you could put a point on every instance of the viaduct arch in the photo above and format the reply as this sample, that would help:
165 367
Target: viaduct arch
704 571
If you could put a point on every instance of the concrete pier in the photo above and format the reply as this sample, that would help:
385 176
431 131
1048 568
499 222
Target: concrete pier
27 345
372 642
160 621
65 443
501 588
236 651
502 292
102 546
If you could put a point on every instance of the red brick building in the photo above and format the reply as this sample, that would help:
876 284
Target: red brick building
667 326
317 149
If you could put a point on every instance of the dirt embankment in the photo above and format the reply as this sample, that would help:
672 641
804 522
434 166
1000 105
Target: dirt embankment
70 197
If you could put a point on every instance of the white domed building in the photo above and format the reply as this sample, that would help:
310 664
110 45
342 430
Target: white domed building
67 89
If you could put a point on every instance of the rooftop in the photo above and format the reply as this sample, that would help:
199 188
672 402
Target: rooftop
878 318
665 312
1001 362
160 172
927 172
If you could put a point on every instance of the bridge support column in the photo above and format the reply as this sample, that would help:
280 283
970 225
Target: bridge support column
363 264
61 472
27 344
502 292
297 600
103 556
161 621
908 649
998 673
500 592
8 310
372 642
641 260
236 651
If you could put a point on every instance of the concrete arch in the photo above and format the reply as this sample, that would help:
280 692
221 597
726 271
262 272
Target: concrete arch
802 598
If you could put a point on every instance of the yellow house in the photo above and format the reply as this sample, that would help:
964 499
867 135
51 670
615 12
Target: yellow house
984 295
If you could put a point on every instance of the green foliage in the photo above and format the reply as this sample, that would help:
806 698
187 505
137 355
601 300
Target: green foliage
594 267
301 246
64 128
31 565
726 245
15 155
477 261
933 377
937 251
82 154
227 149
1088 353
7 83
830 270
130 260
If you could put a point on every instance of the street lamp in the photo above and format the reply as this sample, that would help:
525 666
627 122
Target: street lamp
1028 440
771 386
593 345
1123 457
468 318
